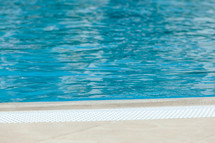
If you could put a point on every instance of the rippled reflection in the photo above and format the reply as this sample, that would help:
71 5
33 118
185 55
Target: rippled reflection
106 49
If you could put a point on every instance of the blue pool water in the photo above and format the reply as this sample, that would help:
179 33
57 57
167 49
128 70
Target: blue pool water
60 50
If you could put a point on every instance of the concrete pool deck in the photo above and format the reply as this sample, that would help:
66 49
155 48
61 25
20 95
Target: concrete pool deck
196 130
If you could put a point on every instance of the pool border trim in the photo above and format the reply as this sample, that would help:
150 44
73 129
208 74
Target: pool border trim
116 114
103 104
77 111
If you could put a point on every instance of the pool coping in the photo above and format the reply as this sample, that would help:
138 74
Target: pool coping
116 131
105 104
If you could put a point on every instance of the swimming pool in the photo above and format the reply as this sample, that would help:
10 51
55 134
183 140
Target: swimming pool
67 50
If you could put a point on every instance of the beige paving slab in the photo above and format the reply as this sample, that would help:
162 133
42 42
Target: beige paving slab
200 130
36 132
154 131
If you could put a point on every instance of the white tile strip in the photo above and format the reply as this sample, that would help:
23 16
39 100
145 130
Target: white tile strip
118 114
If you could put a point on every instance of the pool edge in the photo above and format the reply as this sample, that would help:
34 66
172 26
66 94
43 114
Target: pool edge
103 104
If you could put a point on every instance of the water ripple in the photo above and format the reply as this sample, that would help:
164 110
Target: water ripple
106 49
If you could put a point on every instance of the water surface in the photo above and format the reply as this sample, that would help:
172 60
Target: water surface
106 49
